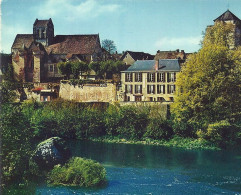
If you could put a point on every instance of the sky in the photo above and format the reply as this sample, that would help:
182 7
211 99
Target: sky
135 25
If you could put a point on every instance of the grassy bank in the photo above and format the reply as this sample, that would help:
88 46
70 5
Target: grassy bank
179 142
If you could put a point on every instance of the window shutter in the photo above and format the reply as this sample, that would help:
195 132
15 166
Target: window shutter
158 88
135 88
126 88
131 89
136 77
168 89
141 88
168 79
163 89
164 77
154 88
174 78
126 77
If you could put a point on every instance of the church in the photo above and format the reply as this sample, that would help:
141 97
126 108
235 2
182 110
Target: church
35 56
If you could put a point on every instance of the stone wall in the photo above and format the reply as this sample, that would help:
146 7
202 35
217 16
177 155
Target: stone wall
88 92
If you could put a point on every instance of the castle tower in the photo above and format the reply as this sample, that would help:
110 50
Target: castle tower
43 31
229 18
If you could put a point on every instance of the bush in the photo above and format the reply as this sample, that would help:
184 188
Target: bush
221 133
78 172
158 129
133 121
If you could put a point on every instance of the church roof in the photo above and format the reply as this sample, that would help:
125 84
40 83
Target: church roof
138 55
228 15
74 44
40 23
22 39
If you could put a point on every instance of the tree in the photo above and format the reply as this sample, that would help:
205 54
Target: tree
65 69
8 86
208 84
78 67
109 45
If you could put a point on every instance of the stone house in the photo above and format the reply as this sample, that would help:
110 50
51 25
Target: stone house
150 80
35 56
129 57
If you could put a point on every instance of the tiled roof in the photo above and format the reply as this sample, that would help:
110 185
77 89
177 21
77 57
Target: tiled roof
228 15
168 65
39 23
170 55
138 55
149 65
21 39
74 44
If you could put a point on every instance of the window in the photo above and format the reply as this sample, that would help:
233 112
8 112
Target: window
138 77
51 68
161 89
171 77
171 89
128 77
138 88
161 77
150 77
128 89
160 99
150 89
39 33
45 98
42 33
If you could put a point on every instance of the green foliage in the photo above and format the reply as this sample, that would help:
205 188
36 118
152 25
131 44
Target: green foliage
65 68
17 140
78 172
109 45
222 133
78 67
8 86
208 85
90 123
158 129
133 121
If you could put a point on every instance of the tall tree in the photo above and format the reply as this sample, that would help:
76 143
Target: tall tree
65 69
208 84
109 45
78 67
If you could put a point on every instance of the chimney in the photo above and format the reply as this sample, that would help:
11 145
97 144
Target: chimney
158 51
182 51
177 50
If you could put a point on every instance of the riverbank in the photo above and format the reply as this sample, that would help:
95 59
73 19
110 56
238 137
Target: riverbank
178 142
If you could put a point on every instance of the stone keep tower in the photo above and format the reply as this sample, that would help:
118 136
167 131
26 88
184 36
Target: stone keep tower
229 18
43 31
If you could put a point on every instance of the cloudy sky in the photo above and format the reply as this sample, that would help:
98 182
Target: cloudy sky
137 25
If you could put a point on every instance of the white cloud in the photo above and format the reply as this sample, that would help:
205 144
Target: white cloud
172 43
69 10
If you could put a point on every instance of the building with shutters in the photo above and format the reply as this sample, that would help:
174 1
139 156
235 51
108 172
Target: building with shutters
150 80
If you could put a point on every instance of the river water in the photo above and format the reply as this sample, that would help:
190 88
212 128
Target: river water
141 169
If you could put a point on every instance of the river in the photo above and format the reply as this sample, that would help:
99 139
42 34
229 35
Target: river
142 169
